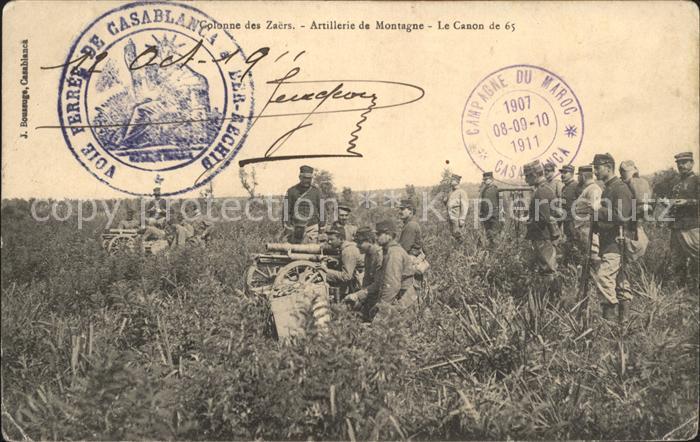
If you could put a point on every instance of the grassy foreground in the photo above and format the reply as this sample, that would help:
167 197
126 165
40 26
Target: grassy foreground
98 347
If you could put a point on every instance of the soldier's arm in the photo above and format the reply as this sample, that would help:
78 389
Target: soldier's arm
349 260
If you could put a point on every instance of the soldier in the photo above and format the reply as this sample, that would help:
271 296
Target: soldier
366 242
457 207
641 191
411 238
394 284
685 236
342 224
130 222
542 228
488 207
303 220
156 218
348 277
194 226
613 219
587 203
569 193
557 185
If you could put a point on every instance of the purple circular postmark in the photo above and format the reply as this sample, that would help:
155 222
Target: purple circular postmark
151 94
519 114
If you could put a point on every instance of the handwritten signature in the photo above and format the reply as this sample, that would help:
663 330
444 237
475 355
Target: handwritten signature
338 90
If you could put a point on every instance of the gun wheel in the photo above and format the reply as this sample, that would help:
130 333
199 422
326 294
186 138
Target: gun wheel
121 244
297 274
258 278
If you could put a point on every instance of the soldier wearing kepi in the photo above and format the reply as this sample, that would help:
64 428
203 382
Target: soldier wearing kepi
613 224
488 207
303 220
411 238
587 203
457 207
569 193
348 277
557 185
394 284
685 236
640 188
542 228
343 224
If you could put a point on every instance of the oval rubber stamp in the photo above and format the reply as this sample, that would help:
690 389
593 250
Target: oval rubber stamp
519 114
151 93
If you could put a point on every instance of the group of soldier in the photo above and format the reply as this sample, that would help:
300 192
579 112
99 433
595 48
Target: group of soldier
600 215
158 224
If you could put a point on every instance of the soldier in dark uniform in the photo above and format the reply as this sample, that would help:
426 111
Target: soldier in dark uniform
394 284
302 221
613 218
489 207
569 193
685 236
411 238
367 243
542 228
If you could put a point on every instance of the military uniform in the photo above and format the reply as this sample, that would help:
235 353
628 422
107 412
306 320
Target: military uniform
614 215
554 182
303 211
457 208
348 277
569 193
641 191
587 203
373 265
489 208
411 238
685 234
542 228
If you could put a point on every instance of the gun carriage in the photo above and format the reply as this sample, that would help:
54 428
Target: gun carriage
117 241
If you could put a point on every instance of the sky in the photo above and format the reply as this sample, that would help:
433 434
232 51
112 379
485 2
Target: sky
632 66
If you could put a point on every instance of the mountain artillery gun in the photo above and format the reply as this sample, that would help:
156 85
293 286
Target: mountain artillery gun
290 277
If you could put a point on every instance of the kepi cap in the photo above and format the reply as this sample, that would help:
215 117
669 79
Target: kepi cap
487 175
332 231
406 202
549 166
585 168
628 166
385 226
344 208
456 177
532 168
306 171
603 158
364 234
567 168
684 156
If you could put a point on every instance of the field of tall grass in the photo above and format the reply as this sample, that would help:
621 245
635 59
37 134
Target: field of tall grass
169 347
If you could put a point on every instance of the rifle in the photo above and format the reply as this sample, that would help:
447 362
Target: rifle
585 271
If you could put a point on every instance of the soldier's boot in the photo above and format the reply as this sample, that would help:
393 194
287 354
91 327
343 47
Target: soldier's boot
623 312
608 311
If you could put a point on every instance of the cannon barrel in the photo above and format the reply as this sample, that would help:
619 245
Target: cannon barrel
285 247
515 189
